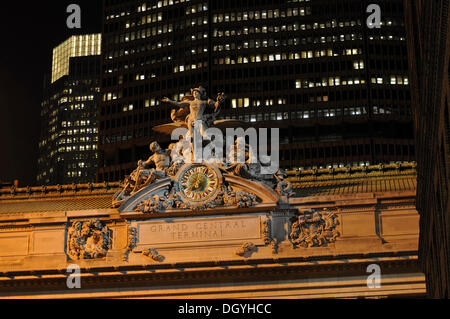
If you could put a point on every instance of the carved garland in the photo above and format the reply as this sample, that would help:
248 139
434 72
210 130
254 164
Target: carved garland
132 240
88 240
314 229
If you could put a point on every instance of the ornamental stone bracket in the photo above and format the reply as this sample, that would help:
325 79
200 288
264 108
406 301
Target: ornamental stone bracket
88 240
314 229
153 255
246 250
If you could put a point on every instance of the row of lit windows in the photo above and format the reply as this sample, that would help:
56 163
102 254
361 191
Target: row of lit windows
200 7
75 107
151 32
389 109
66 99
246 102
263 14
159 4
324 82
299 84
154 46
304 114
199 21
142 34
393 80
110 96
182 68
290 56
76 174
144 7
80 165
155 17
130 64
145 33
388 37
90 130
76 123
274 57
82 139
331 81
256 29
293 27
308 114
76 148
271 42
142 76
265 43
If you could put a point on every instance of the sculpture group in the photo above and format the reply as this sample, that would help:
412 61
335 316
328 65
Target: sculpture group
196 113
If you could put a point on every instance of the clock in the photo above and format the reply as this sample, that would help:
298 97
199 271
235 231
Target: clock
199 183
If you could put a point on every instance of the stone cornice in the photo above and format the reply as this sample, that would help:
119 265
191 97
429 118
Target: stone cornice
58 191
251 270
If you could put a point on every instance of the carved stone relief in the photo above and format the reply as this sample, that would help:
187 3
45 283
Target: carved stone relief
314 229
88 240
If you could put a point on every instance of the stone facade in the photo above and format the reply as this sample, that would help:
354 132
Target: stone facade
307 246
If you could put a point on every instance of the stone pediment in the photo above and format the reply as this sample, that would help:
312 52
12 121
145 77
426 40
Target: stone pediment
199 187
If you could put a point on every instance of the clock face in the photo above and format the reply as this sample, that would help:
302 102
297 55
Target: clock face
199 183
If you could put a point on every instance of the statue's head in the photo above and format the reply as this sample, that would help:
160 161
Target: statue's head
199 93
154 147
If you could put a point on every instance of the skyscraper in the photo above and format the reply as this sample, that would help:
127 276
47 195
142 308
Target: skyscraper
338 90
68 149
429 53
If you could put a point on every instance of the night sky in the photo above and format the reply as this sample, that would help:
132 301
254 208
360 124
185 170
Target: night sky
29 32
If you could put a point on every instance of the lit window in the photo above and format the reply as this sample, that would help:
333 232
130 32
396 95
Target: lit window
358 65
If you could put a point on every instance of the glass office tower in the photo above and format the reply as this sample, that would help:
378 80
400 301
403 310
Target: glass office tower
338 90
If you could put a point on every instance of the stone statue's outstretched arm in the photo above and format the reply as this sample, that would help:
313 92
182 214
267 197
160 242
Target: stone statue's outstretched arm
174 103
